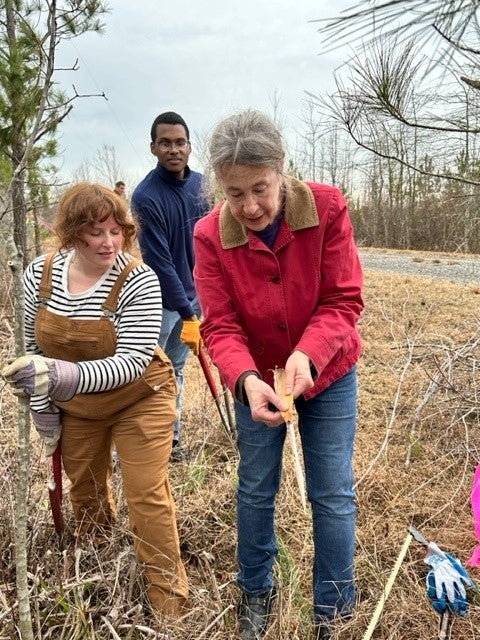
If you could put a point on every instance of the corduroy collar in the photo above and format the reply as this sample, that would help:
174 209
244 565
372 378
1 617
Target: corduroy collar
300 213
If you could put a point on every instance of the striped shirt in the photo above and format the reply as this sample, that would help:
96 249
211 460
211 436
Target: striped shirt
137 319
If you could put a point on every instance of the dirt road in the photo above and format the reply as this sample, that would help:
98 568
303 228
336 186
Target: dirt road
461 268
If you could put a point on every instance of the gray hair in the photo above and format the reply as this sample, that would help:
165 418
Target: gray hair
247 137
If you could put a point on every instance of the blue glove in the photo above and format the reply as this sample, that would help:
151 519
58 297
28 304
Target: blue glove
446 581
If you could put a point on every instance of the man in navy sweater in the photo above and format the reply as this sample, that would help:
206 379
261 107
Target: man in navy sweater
167 203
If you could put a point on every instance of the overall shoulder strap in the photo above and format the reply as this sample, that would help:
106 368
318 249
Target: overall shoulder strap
45 287
110 303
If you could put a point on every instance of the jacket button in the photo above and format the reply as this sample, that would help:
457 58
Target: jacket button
275 279
282 327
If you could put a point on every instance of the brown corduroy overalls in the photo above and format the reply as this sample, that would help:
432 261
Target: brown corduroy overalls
138 417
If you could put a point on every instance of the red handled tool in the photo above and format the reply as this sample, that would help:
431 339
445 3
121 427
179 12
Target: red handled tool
225 417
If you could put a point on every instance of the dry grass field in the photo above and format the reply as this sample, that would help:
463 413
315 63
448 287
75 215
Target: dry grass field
417 446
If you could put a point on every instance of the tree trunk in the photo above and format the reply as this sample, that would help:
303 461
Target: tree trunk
23 457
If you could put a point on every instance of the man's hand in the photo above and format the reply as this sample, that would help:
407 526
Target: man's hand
36 375
190 334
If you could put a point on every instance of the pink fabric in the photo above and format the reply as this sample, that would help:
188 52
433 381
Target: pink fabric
474 560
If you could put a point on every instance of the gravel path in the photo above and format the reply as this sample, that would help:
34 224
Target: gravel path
463 269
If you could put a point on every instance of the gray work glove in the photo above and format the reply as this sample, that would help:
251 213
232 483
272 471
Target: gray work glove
37 375
47 423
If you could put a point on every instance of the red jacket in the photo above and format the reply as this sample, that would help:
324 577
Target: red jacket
259 305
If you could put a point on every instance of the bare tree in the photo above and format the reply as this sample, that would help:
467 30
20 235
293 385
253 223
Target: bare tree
277 114
200 150
106 166
309 155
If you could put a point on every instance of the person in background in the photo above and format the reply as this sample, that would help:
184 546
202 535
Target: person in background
167 203
97 377
120 188
280 285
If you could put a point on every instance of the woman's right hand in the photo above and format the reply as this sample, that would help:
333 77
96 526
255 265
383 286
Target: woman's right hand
260 398
37 375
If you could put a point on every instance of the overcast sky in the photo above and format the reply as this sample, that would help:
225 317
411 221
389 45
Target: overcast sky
202 58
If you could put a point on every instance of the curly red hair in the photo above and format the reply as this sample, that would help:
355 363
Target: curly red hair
85 204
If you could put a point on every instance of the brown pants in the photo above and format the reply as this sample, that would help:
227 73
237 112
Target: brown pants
142 434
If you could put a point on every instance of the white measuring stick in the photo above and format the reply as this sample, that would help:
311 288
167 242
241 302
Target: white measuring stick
388 588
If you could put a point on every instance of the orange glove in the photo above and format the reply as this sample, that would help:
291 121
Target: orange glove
190 334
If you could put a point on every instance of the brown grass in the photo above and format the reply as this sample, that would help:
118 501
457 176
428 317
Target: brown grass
417 446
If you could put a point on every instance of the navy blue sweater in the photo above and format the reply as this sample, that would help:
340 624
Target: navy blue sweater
167 208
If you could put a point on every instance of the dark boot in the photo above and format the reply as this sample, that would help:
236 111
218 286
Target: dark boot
253 613
322 632
180 454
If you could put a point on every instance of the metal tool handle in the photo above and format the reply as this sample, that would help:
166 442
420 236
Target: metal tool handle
444 627
418 536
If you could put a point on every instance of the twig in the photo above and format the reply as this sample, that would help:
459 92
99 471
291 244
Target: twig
393 415
110 627
142 629
214 621
138 613
443 378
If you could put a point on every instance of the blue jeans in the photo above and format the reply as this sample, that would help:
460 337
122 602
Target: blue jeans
177 351
327 430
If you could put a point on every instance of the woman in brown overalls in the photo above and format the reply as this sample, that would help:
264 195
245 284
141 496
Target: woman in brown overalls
97 377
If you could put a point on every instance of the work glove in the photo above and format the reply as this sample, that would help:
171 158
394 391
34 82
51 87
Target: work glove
190 334
36 375
446 581
48 426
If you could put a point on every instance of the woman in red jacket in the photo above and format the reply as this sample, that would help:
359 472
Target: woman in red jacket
279 282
